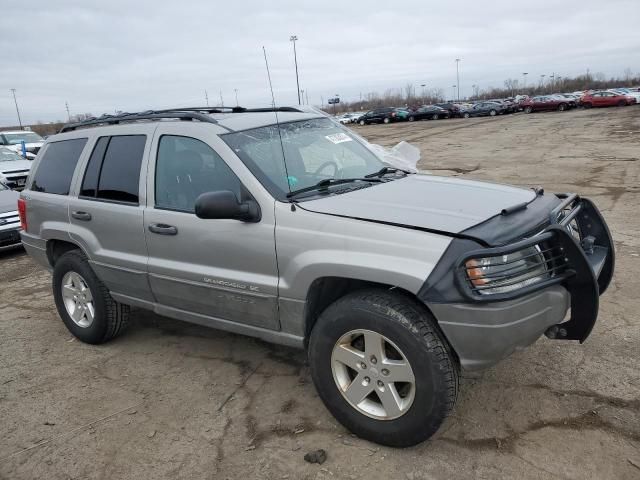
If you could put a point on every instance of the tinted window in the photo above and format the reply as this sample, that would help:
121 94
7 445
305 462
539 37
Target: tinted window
90 182
57 166
120 172
186 168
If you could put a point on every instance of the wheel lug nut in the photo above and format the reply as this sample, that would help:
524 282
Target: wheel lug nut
380 384
374 360
367 379
385 371
363 365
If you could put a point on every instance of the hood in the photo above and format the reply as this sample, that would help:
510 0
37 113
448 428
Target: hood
444 204
8 201
15 165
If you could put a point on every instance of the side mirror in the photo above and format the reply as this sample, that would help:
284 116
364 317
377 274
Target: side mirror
224 204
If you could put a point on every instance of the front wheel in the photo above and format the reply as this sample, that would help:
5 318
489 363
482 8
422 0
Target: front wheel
587 105
434 116
528 109
465 115
412 118
362 122
382 368
622 103
562 107
84 302
493 113
386 120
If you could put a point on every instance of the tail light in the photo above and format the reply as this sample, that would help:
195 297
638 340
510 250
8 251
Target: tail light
22 212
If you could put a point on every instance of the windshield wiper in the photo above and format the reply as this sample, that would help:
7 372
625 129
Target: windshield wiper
329 182
384 171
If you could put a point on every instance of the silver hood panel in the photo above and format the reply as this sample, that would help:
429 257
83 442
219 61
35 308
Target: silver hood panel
8 201
13 165
437 203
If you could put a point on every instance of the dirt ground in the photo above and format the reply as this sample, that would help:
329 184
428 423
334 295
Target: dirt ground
172 400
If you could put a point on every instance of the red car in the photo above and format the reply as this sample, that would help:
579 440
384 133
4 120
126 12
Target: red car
545 102
605 99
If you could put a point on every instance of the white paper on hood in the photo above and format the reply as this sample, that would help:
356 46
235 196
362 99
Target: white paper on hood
403 156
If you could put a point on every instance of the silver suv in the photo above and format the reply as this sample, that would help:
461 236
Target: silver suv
284 225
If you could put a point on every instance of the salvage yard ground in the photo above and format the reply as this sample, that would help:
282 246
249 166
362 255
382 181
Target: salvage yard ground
172 400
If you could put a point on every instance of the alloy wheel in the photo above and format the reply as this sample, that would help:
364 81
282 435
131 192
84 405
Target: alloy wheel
373 375
78 299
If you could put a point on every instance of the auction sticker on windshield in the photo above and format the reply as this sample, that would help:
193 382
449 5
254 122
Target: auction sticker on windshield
339 138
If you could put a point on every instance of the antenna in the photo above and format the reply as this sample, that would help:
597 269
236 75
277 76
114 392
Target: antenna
275 111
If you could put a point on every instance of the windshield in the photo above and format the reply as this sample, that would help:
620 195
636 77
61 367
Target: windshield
28 137
314 150
8 155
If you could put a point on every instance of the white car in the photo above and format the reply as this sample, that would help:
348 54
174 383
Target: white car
13 139
627 92
14 169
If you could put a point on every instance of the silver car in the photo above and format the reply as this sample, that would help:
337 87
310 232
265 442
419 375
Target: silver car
286 226
14 169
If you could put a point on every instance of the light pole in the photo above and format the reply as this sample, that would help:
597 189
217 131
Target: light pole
453 95
524 79
458 76
236 91
293 39
206 97
542 80
423 95
474 86
13 90
552 80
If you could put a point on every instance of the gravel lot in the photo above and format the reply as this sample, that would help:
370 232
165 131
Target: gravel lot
172 400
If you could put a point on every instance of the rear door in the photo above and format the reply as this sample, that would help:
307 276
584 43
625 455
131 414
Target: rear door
218 269
106 212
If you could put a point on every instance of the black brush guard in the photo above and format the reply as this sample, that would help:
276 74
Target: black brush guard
585 271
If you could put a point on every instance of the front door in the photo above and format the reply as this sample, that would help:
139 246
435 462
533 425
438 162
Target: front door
224 269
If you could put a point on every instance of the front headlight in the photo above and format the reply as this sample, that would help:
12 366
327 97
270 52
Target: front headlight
505 273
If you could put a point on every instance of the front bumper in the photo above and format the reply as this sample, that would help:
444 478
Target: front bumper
483 329
10 239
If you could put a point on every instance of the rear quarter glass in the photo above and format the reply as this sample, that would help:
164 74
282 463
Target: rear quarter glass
55 170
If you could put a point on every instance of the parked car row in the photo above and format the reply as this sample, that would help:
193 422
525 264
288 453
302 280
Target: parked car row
557 101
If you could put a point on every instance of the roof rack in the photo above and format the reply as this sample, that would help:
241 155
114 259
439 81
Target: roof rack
187 114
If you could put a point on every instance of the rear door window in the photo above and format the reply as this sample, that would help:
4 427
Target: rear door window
113 172
57 165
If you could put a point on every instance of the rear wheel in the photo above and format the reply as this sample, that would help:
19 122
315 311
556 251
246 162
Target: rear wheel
411 118
528 109
493 113
622 103
465 115
434 116
587 105
562 107
362 122
84 302
382 368
386 120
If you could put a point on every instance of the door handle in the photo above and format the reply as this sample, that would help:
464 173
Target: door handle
81 216
163 229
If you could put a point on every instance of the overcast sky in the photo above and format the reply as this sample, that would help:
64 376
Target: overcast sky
135 55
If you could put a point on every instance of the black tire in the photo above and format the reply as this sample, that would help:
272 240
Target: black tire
362 122
622 103
528 109
435 116
465 115
386 120
562 107
587 105
412 328
110 318
411 118
493 113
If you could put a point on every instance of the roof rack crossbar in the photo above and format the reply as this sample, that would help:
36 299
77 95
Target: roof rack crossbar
131 117
186 113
